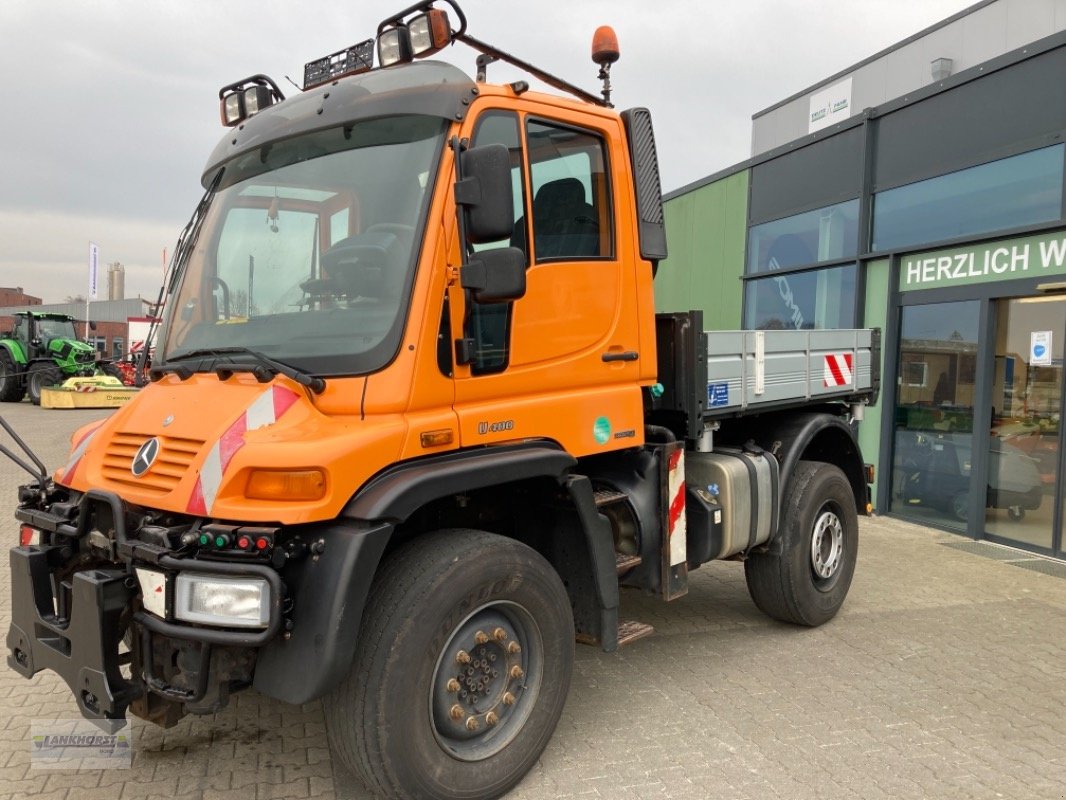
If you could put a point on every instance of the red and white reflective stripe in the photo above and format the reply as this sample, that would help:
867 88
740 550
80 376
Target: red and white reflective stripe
837 370
75 457
267 409
675 518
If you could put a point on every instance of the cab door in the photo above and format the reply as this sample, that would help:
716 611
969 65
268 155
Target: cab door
562 362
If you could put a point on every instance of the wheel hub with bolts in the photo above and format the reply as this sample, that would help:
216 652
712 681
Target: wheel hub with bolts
827 545
481 690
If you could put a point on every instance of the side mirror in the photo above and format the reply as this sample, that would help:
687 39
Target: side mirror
495 276
92 325
484 193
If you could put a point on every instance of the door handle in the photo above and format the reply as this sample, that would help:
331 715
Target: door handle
623 355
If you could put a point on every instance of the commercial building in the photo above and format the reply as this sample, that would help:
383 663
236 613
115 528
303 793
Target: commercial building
919 191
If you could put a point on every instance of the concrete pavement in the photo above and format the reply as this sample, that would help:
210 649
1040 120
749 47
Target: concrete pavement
943 677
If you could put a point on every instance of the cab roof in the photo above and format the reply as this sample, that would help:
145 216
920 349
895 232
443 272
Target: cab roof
430 88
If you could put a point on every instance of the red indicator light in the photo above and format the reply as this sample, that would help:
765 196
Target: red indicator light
244 543
262 543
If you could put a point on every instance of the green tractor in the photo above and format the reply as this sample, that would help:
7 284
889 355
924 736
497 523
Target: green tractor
44 350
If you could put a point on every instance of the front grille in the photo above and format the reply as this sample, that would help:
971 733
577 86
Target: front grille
174 459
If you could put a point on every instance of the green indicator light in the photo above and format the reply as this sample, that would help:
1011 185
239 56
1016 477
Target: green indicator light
220 541
204 538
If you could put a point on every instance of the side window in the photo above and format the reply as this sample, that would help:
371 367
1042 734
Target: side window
501 127
490 325
571 201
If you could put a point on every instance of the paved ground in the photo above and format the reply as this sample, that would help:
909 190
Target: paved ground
943 677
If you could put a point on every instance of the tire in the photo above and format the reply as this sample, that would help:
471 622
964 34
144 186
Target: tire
1016 513
12 389
40 375
399 720
804 578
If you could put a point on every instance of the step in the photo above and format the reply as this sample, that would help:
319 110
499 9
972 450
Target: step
625 562
605 497
631 630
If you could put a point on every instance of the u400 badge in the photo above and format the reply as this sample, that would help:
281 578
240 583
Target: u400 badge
502 426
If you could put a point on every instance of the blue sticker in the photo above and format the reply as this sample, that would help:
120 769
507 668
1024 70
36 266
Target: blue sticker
601 430
717 394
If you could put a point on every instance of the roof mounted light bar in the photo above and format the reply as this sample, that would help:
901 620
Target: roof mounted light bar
418 31
240 100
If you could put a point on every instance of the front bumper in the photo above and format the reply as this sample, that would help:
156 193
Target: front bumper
74 623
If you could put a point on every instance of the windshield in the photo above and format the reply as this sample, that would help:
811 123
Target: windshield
307 251
52 328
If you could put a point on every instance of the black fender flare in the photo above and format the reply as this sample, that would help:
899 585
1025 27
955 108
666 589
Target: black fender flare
400 490
797 432
331 590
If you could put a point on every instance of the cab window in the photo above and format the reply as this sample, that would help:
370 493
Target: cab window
571 205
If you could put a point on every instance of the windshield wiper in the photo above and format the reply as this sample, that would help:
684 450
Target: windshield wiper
266 368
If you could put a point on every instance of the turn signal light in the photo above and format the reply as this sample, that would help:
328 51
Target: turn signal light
287 484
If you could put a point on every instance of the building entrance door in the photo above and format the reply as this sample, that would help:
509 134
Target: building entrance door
1025 442
934 428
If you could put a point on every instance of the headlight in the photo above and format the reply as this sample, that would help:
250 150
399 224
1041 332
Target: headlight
214 600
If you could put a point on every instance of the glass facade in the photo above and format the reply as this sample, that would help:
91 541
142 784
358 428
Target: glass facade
1009 193
825 234
822 298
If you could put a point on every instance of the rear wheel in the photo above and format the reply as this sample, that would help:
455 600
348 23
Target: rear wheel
41 375
805 576
463 666
12 389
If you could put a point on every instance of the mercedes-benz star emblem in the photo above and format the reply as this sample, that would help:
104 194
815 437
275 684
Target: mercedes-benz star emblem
145 457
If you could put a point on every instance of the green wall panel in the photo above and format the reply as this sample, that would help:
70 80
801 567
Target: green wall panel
705 233
877 273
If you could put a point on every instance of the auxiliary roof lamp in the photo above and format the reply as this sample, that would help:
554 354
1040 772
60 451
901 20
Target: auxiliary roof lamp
403 37
247 97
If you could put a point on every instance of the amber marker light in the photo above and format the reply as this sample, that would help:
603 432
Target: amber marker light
286 484
437 438
604 45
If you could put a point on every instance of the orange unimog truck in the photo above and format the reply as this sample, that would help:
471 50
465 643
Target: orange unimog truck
413 421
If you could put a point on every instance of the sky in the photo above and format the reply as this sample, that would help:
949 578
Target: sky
109 108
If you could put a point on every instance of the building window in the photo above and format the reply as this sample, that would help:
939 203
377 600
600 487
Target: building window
821 298
117 347
1010 193
813 237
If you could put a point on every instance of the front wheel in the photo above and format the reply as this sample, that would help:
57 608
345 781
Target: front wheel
462 670
41 375
804 576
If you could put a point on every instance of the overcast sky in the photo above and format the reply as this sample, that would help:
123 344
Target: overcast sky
110 107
